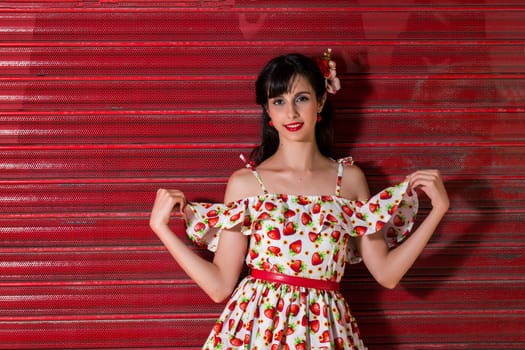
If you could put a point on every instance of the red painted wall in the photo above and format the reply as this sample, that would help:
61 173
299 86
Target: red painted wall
102 102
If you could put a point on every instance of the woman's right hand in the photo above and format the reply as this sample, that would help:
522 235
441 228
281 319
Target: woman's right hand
165 203
431 183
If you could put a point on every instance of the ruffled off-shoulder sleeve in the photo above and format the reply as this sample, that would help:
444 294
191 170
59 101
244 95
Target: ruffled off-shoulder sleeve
392 211
204 221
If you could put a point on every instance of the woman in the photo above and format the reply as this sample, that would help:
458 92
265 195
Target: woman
296 216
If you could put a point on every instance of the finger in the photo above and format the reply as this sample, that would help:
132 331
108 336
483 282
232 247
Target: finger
434 189
182 205
432 173
422 180
425 172
179 199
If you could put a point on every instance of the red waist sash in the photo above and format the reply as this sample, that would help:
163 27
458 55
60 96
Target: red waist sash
295 281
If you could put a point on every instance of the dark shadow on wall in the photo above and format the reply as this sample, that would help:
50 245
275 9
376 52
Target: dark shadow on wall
353 69
377 331
358 287
375 327
475 230
434 93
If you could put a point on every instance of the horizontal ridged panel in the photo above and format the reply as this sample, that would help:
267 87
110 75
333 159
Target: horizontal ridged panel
159 93
101 102
430 127
137 198
245 5
89 264
92 299
475 227
423 329
477 262
78 231
368 126
117 128
266 23
170 59
104 333
158 333
140 162
99 300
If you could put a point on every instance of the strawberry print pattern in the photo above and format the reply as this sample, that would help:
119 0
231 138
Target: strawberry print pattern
306 236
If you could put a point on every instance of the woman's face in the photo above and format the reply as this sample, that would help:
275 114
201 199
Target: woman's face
294 113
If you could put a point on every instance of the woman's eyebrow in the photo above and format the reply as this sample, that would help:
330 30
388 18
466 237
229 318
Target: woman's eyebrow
302 93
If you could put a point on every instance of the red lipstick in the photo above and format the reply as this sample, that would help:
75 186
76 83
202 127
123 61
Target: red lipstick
293 127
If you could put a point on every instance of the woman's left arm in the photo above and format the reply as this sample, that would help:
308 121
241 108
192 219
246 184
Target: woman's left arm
388 266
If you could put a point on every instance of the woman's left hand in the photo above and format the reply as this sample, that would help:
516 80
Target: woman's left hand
430 182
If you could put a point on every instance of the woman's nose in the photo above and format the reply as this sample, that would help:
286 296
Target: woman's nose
292 111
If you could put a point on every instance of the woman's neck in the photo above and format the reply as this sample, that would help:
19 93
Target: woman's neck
299 156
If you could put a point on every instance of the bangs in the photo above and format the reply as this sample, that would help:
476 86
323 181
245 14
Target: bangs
281 81
279 76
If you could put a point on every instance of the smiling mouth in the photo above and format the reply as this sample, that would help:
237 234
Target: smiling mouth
293 126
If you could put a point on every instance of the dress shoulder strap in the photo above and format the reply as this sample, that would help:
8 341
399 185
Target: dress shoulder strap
251 166
259 179
342 163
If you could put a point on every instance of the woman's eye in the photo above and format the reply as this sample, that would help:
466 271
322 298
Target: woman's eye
278 101
302 98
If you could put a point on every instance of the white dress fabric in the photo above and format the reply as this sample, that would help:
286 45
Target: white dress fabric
310 236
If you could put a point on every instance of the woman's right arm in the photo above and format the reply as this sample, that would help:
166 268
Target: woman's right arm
219 277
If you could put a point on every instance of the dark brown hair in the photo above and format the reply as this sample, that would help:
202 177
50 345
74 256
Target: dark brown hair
275 79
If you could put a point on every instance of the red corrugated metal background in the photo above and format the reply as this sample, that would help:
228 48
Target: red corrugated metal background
102 102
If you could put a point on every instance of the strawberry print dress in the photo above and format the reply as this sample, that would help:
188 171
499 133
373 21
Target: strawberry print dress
309 237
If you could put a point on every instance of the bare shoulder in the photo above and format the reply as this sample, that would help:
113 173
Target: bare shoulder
241 184
354 184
